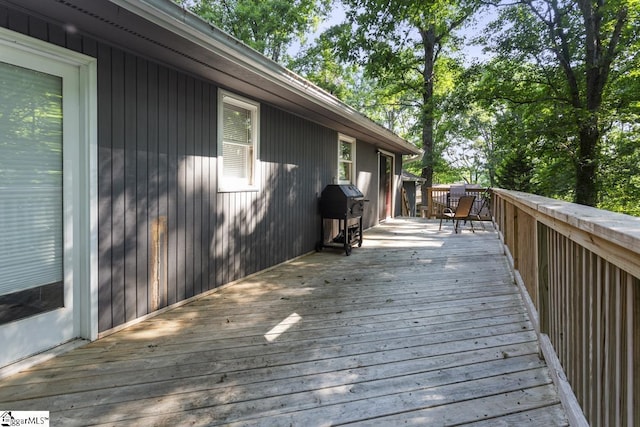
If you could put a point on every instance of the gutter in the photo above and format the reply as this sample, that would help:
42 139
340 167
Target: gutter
185 24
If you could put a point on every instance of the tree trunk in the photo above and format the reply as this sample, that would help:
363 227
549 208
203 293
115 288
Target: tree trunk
587 165
428 41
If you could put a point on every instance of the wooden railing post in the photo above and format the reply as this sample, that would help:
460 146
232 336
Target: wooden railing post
543 279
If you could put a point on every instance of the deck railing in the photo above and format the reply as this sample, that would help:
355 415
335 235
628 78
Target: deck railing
580 268
439 198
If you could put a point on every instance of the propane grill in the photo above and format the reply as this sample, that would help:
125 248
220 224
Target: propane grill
344 202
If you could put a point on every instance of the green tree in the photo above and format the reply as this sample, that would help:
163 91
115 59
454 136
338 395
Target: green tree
269 26
621 172
399 43
320 64
565 54
323 64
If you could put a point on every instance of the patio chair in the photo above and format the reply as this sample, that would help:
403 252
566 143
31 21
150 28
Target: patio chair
461 213
455 192
485 206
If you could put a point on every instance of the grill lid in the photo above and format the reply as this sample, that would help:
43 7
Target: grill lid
348 191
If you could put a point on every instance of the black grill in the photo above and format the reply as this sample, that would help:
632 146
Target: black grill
344 202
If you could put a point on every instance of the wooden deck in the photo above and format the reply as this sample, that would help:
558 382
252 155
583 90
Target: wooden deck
417 327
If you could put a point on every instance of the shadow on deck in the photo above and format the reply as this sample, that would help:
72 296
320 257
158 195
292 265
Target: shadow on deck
417 327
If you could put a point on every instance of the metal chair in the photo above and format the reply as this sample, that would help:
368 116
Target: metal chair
462 212
455 192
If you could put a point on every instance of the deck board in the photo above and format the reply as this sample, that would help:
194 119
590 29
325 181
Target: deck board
417 327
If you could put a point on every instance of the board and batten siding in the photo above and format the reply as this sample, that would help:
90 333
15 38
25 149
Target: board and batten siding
368 181
164 231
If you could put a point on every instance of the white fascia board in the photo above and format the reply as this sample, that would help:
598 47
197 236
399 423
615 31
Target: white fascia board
185 24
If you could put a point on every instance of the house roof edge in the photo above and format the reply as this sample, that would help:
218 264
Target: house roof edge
188 25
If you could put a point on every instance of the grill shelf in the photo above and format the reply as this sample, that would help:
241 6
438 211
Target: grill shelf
344 202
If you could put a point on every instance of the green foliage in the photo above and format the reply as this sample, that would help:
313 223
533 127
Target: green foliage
565 59
399 44
516 171
321 65
621 172
269 26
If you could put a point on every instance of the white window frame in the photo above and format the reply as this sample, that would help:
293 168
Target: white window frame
225 183
350 140
80 201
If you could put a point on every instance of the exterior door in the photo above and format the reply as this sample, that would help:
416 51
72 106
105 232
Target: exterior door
385 191
41 187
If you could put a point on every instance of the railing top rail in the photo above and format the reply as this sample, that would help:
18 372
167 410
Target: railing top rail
620 229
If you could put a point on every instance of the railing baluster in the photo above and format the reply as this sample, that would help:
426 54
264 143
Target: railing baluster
581 268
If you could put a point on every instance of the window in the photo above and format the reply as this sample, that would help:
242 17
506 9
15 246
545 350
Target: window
238 120
346 159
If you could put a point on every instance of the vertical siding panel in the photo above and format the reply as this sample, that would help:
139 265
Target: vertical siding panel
118 188
210 123
273 192
299 187
235 238
172 187
284 127
181 183
105 201
238 199
90 47
155 240
265 147
142 176
130 165
220 238
57 35
305 184
260 207
243 250
226 224
163 173
233 234
197 188
4 17
305 188
281 214
213 190
38 28
74 42
276 214
18 21
190 238
200 259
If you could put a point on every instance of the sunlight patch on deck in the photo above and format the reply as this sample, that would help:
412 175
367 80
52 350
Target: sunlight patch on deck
282 327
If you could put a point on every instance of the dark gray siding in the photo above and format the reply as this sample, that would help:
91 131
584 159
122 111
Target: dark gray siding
157 149
398 185
164 232
368 181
